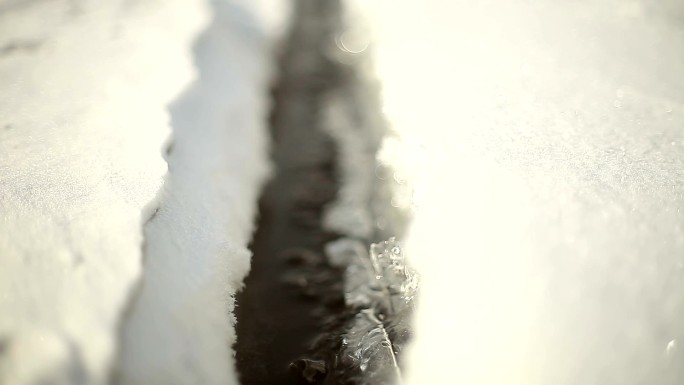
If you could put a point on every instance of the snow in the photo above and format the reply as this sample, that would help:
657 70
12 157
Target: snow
180 329
83 109
84 122
548 232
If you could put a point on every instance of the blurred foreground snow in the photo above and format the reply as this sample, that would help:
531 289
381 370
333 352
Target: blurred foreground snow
547 151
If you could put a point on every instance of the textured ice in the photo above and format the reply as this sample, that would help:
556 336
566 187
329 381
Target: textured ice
393 275
367 346
379 289
380 279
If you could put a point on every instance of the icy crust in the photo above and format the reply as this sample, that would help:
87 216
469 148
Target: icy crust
367 348
380 279
363 340
393 275
379 289
83 122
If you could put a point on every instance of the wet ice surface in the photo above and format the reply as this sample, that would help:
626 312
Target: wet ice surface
379 279
393 275
554 175
327 63
366 347
379 288
384 303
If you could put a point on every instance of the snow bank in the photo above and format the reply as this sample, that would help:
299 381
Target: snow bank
83 120
180 329
548 231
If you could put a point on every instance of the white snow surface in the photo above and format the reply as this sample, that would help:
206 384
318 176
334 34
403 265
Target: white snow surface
181 328
84 120
548 228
